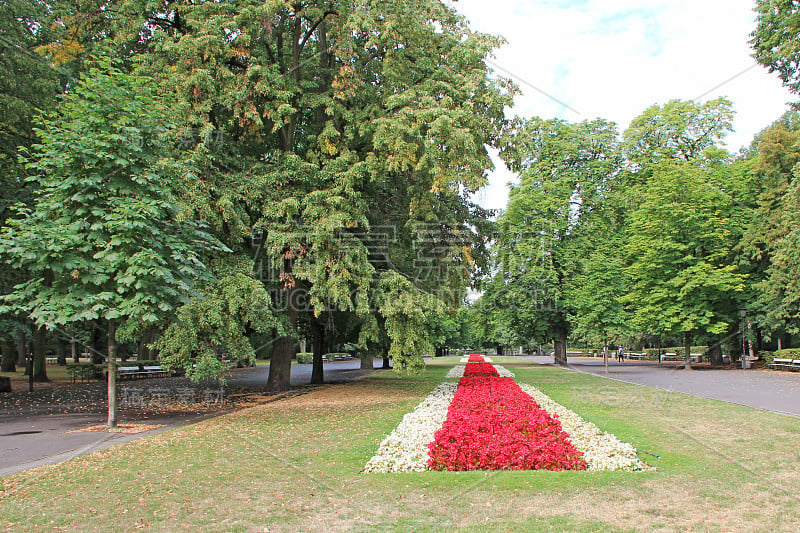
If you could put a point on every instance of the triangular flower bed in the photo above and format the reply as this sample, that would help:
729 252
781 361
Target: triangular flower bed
494 424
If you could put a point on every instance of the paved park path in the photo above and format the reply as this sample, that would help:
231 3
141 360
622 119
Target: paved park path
30 439
769 390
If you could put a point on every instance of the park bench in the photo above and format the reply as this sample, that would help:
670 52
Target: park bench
155 371
695 357
127 371
337 356
785 364
52 359
133 372
635 355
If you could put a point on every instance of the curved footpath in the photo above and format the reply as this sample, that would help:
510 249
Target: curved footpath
768 390
31 440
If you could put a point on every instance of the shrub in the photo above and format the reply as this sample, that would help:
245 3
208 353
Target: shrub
305 358
787 353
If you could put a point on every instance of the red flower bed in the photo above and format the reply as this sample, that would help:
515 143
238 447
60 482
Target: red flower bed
480 369
475 358
493 425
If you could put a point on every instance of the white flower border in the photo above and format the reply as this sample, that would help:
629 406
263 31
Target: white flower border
602 450
406 448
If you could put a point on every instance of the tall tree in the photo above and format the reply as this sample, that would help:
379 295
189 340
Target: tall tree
770 240
679 130
679 252
29 86
776 39
320 126
103 241
564 170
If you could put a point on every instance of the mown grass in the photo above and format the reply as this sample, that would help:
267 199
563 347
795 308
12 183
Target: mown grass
293 465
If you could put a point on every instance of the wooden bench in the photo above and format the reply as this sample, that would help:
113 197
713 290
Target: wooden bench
670 357
52 359
635 355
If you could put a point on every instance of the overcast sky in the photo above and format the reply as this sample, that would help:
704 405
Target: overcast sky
614 58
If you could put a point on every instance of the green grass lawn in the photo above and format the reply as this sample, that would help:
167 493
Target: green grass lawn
293 465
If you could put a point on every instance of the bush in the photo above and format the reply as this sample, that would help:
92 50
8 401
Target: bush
305 358
768 356
787 353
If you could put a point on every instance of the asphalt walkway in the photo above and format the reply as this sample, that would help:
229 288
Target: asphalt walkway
769 390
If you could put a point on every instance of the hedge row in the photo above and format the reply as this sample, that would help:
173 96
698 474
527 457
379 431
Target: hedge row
788 353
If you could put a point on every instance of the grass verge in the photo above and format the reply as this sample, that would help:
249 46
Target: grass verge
293 465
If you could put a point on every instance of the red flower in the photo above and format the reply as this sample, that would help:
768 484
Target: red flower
493 425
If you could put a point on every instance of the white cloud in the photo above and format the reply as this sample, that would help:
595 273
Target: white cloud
614 58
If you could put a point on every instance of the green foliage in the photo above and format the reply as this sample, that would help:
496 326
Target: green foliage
679 130
103 240
776 39
217 322
305 358
566 170
679 250
327 131
408 314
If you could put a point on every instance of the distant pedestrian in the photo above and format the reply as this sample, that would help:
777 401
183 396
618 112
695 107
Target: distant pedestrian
620 354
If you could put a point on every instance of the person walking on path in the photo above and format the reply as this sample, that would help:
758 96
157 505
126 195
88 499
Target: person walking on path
620 354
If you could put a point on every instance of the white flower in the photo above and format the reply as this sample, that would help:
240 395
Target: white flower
457 372
406 448
602 450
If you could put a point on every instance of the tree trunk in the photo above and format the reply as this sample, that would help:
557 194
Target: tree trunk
62 352
715 354
759 339
39 360
687 346
499 349
9 361
76 355
386 364
280 364
560 346
112 374
786 341
367 361
96 349
22 349
317 346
